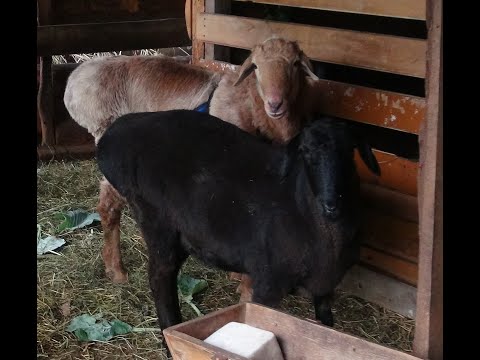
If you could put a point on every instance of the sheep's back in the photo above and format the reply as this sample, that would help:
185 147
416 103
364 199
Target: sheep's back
179 147
207 175
100 90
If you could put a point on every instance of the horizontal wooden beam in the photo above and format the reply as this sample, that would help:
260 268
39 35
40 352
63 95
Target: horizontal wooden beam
380 289
370 106
390 202
390 240
390 234
389 265
357 103
387 53
408 9
101 11
397 173
47 153
97 37
310 340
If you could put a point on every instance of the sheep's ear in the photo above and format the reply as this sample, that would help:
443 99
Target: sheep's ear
368 157
307 66
246 69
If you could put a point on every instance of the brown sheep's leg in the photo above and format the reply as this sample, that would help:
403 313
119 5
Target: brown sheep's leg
110 208
245 288
235 276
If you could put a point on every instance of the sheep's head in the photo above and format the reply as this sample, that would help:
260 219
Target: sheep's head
279 65
327 147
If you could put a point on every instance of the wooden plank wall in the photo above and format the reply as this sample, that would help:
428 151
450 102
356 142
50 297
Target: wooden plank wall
72 27
103 11
390 234
371 51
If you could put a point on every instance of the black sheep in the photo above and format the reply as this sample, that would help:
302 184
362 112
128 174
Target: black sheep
285 215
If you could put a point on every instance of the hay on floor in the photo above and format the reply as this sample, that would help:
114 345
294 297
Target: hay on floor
73 282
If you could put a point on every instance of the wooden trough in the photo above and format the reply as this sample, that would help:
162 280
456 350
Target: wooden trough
299 339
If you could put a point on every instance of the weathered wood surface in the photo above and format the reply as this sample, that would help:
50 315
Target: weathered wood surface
45 101
394 54
198 46
188 17
215 52
397 173
184 347
101 11
134 35
408 9
45 90
315 341
390 234
298 338
59 152
367 105
428 341
358 103
370 106
391 265
390 202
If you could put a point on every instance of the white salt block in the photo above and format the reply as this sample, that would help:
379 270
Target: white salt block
247 341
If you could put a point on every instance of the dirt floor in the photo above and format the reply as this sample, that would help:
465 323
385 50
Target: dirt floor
72 282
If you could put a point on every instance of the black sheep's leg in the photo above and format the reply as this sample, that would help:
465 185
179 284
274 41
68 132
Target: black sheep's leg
323 309
165 258
163 266
267 290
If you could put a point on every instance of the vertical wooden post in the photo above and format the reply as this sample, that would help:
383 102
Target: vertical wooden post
45 91
188 17
198 46
428 341
215 52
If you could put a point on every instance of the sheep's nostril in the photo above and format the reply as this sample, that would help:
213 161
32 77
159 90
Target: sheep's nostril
330 209
275 105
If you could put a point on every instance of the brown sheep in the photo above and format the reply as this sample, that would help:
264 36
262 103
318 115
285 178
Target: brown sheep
270 103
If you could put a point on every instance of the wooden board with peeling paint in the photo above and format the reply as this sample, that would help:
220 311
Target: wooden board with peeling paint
371 106
366 105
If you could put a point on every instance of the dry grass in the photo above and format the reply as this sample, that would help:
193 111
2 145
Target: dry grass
78 58
76 277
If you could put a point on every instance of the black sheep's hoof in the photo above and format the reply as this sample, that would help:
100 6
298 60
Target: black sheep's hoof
327 319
